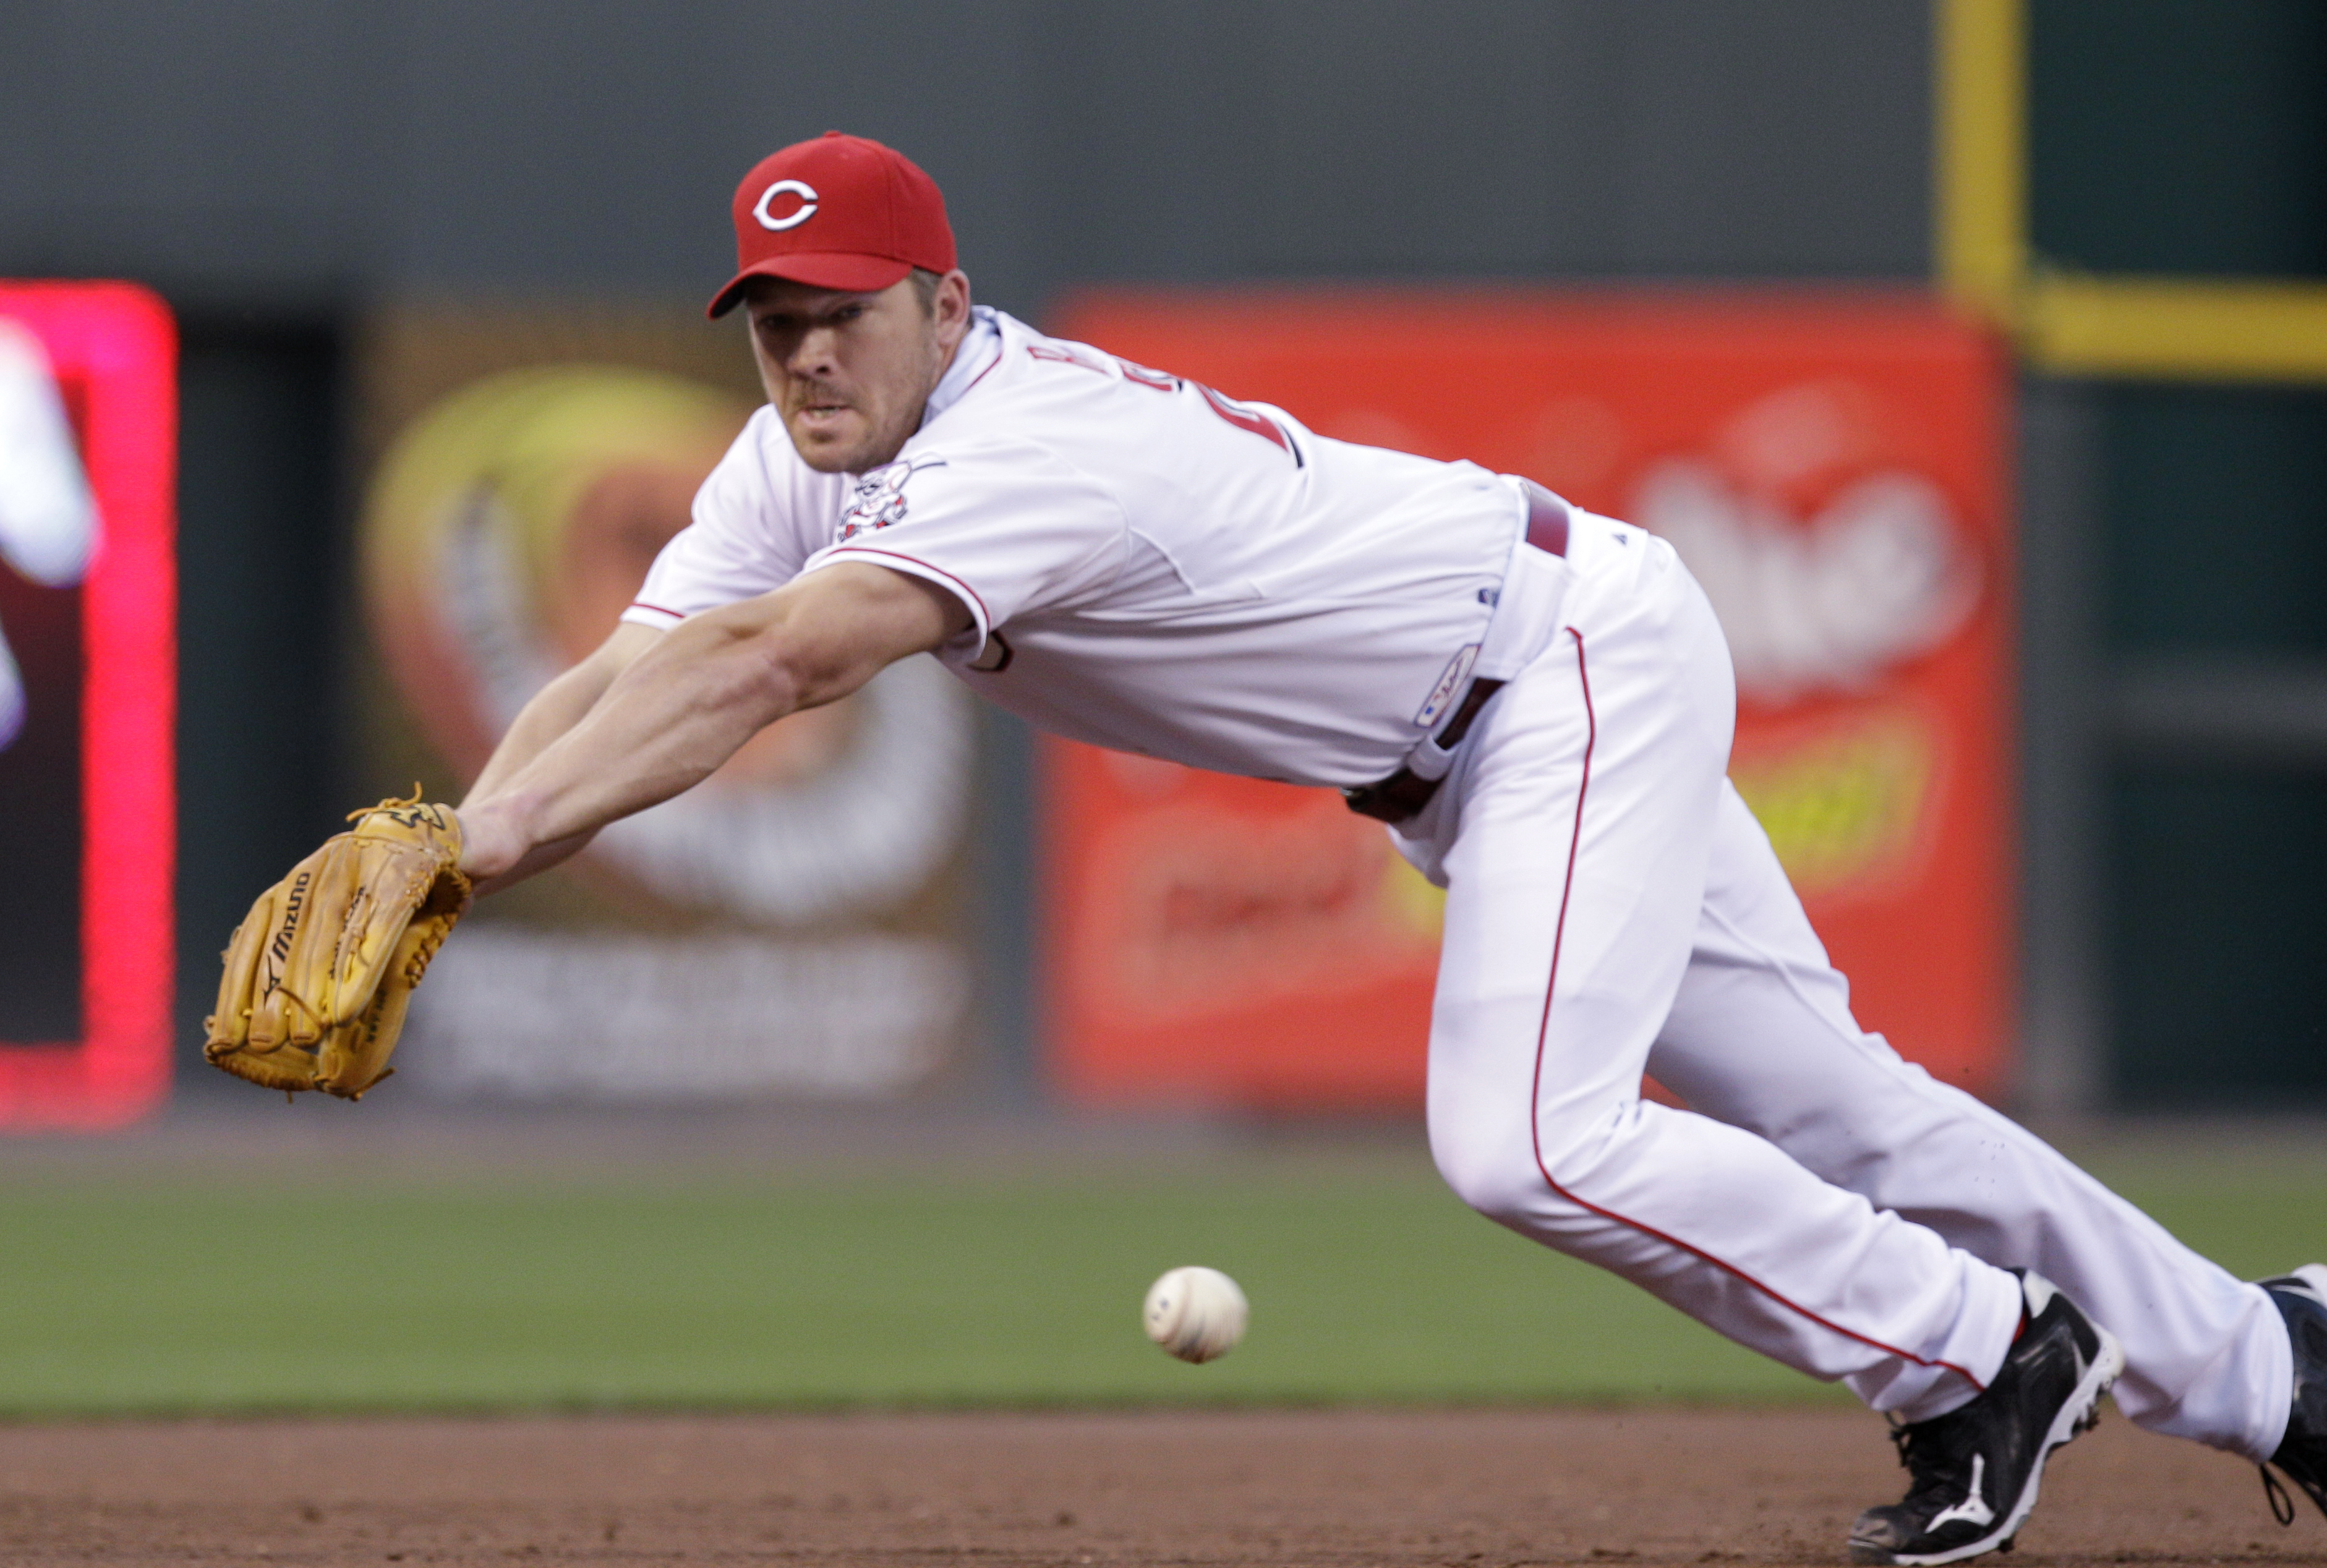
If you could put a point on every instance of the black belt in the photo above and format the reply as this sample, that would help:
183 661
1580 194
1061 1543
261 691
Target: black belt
1405 791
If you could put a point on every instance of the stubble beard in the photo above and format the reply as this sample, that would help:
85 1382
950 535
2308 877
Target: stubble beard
878 446
826 455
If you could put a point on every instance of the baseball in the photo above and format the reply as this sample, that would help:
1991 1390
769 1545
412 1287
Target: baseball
1197 1313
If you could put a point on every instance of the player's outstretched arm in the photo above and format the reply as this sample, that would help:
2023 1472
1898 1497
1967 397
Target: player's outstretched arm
320 973
561 704
554 710
681 707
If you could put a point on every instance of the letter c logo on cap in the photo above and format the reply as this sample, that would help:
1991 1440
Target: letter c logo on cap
786 187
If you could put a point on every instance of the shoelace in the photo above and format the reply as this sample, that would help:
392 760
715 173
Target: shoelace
1927 1456
2282 1506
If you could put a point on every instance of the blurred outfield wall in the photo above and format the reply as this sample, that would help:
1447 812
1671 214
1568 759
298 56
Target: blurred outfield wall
284 173
324 162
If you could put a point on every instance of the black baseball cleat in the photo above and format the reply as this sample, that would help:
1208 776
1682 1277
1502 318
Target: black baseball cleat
1972 1472
2301 1298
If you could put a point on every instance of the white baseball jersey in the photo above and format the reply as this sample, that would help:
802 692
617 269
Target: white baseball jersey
1149 566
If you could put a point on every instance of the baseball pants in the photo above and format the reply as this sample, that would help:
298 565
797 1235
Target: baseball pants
1612 908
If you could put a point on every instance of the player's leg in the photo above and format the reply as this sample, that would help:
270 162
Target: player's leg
1587 804
1761 1036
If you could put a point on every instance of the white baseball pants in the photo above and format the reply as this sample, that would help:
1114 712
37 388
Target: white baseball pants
1612 908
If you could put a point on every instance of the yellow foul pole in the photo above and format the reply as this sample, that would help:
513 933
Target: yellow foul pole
1980 140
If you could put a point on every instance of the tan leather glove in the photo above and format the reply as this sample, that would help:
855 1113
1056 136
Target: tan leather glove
320 973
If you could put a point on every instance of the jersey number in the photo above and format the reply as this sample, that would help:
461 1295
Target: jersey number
1236 413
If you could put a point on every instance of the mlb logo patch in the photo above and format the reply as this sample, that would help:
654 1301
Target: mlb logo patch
1434 708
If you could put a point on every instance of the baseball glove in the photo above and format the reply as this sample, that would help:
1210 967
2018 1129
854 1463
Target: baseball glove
319 974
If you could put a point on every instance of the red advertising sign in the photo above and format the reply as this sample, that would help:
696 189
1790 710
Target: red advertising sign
88 689
1831 468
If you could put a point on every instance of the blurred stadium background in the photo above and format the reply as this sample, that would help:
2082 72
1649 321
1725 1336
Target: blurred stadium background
865 1080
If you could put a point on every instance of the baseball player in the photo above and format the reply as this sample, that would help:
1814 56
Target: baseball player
1535 700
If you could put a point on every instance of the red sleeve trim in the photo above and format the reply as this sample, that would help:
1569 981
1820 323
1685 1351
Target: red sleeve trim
659 609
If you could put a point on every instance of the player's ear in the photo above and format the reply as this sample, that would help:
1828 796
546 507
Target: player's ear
950 303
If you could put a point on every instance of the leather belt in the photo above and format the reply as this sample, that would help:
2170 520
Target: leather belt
1546 520
1405 792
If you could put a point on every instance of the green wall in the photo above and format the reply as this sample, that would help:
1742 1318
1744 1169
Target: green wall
2189 138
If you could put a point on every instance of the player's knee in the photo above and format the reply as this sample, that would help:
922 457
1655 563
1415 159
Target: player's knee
1511 1159
1495 1176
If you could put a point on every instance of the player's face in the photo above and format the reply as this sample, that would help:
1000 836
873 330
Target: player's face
850 372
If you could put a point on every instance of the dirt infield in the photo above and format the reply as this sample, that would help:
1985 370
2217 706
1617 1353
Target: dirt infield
1499 1487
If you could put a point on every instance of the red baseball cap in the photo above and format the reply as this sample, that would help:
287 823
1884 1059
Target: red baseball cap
837 212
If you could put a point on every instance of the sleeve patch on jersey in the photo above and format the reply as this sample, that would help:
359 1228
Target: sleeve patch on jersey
878 498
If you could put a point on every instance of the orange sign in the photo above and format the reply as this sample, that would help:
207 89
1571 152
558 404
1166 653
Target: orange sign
1831 467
